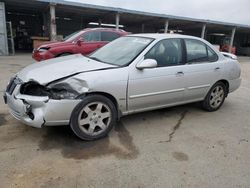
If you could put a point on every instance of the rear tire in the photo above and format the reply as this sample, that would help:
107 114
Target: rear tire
215 97
93 118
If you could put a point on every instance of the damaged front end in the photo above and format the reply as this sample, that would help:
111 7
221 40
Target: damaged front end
51 104
60 92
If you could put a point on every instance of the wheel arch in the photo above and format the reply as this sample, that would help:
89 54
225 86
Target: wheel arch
205 102
226 83
110 97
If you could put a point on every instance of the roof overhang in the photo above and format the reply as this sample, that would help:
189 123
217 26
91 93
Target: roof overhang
92 13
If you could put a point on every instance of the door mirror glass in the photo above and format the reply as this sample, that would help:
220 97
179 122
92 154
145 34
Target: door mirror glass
146 64
79 41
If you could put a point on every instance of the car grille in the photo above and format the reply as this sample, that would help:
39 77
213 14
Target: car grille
12 85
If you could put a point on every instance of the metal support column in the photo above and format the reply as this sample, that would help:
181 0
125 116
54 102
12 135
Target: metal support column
46 24
142 28
203 31
166 26
99 23
232 40
3 31
117 20
53 33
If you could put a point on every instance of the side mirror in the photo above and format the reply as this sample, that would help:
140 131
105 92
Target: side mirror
79 41
146 64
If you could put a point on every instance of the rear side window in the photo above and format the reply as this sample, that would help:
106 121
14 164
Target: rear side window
109 36
212 56
199 52
92 36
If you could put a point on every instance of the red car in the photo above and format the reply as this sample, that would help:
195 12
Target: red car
85 42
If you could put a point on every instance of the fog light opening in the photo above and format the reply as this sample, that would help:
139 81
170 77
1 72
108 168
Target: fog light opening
28 110
31 115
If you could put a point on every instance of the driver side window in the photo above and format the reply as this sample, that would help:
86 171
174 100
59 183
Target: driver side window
167 52
92 36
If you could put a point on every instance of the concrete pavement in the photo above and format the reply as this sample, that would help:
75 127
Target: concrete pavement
182 146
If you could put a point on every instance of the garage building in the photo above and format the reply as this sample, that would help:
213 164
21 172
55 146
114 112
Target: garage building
23 23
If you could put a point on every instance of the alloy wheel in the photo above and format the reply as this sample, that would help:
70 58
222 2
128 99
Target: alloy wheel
94 118
216 96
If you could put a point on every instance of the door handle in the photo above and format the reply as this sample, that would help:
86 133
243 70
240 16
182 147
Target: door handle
217 68
180 73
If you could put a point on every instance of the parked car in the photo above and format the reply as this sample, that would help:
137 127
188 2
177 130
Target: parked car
225 46
245 49
132 74
83 42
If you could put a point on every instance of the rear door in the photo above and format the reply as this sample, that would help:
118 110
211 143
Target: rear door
201 71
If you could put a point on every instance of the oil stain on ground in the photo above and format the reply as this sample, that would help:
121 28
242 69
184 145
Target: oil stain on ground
63 139
14 64
180 156
2 119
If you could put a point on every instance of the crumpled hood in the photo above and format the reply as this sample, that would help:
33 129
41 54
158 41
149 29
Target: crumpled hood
53 69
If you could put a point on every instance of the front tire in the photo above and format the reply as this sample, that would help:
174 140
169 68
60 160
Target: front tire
93 118
215 97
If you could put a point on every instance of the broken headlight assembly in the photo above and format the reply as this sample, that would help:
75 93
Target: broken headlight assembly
57 93
43 49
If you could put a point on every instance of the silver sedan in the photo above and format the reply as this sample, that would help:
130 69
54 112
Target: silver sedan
132 74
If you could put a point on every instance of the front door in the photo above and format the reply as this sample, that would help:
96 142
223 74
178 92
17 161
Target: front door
160 86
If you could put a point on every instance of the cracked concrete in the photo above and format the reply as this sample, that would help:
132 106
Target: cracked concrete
177 126
199 149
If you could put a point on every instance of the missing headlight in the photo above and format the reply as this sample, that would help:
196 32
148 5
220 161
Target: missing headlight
43 49
35 89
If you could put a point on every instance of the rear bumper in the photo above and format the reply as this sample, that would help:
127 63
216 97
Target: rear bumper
37 111
40 56
234 84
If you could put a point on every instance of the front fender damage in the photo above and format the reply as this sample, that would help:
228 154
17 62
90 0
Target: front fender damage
71 84
51 104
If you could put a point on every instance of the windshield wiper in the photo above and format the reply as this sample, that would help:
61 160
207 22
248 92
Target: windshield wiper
97 59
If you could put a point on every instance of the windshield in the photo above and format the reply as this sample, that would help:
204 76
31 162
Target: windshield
72 36
121 51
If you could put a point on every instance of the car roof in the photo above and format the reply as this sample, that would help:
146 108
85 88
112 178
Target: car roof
105 29
163 36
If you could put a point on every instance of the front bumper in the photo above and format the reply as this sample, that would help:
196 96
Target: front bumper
37 111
